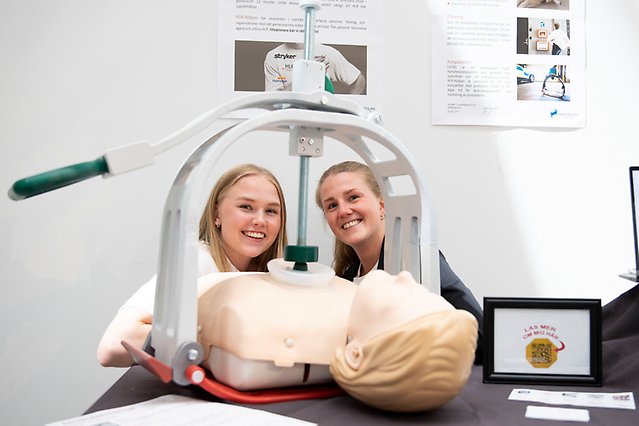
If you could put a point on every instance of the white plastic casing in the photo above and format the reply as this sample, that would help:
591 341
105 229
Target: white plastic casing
305 4
308 76
129 157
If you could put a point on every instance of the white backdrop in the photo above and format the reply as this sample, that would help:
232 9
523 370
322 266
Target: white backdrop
527 212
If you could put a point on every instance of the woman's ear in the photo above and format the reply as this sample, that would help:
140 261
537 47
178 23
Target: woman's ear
382 212
218 222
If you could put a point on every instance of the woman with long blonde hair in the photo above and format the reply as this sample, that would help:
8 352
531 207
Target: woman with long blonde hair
243 226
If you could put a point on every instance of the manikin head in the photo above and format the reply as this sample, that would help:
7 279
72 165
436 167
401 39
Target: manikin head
408 349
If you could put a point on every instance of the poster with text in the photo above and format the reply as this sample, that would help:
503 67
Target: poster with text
508 62
259 40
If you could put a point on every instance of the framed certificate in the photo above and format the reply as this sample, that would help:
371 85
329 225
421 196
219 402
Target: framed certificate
542 341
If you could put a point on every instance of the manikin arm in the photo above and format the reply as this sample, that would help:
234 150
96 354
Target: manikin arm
131 324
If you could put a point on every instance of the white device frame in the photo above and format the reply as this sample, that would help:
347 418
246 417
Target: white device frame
410 231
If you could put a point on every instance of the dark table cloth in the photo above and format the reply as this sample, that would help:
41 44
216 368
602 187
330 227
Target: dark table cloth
477 404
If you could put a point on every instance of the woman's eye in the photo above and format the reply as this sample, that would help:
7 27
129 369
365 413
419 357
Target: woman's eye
330 206
246 207
353 197
272 212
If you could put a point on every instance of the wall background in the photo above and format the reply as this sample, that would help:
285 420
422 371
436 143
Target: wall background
521 212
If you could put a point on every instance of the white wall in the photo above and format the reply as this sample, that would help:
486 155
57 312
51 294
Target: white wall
528 212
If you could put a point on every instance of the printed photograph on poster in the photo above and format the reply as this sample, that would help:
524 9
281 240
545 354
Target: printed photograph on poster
539 36
263 39
545 4
537 82
267 65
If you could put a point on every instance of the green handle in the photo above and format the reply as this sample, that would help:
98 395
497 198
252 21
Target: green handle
301 255
328 86
58 178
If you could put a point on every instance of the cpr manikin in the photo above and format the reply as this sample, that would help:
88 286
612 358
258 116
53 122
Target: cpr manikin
408 349
260 332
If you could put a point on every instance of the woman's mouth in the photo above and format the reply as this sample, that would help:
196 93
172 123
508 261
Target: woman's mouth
254 234
351 224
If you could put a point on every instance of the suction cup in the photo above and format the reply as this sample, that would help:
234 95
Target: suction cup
315 275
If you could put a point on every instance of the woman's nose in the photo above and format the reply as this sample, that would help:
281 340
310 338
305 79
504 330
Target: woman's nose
258 218
344 210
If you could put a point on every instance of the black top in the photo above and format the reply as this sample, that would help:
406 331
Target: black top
452 289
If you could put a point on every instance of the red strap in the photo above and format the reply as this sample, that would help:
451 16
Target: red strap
269 396
160 369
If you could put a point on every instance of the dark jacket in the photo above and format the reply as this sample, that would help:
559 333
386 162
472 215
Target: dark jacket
452 289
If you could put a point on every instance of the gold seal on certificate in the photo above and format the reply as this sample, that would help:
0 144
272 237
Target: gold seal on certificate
541 353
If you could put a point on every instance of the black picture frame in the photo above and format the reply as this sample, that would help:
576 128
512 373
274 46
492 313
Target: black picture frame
501 366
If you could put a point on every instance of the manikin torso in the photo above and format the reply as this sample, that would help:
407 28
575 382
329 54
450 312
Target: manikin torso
259 332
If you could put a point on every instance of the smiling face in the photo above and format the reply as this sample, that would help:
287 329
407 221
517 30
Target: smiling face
352 210
249 219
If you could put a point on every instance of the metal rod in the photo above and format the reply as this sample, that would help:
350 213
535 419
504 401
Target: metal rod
309 33
302 202
309 54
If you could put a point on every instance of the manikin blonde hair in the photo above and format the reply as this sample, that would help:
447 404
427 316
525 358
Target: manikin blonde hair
415 367
343 254
211 235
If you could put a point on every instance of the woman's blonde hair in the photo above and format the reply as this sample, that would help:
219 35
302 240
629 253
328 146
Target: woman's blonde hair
343 254
210 234
415 367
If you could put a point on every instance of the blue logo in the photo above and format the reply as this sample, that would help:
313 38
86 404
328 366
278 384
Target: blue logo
553 113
